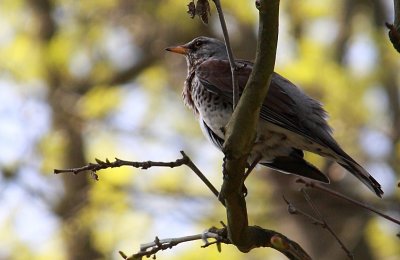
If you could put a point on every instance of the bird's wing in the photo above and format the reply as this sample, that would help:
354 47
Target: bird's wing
294 163
212 137
279 107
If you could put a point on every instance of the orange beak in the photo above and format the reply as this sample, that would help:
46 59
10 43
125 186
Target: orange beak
181 49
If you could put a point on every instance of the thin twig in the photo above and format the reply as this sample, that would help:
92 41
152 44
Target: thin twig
294 211
100 165
235 83
314 185
196 170
150 249
316 221
319 215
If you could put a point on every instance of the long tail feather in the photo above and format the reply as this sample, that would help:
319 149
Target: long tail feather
361 174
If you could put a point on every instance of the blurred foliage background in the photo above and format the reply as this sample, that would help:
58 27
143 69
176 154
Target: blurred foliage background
90 79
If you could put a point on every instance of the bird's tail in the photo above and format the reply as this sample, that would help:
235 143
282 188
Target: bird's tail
360 173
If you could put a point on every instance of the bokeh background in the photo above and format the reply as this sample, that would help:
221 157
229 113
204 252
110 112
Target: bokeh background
90 79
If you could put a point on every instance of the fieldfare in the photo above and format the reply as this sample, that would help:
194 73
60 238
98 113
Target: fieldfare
290 120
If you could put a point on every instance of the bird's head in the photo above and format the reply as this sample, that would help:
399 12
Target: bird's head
200 49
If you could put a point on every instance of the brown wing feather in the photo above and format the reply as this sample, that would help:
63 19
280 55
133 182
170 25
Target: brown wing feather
217 73
279 108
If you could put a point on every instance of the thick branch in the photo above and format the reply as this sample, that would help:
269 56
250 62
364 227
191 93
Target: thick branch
240 132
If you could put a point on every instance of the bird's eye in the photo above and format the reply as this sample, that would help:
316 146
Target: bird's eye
198 44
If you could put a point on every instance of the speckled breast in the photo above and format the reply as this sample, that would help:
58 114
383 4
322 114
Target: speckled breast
212 109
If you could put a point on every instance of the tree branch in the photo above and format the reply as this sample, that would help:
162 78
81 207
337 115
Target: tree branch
320 221
240 131
314 185
100 165
235 84
266 238
150 249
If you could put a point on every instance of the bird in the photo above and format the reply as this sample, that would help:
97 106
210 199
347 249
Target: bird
290 121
